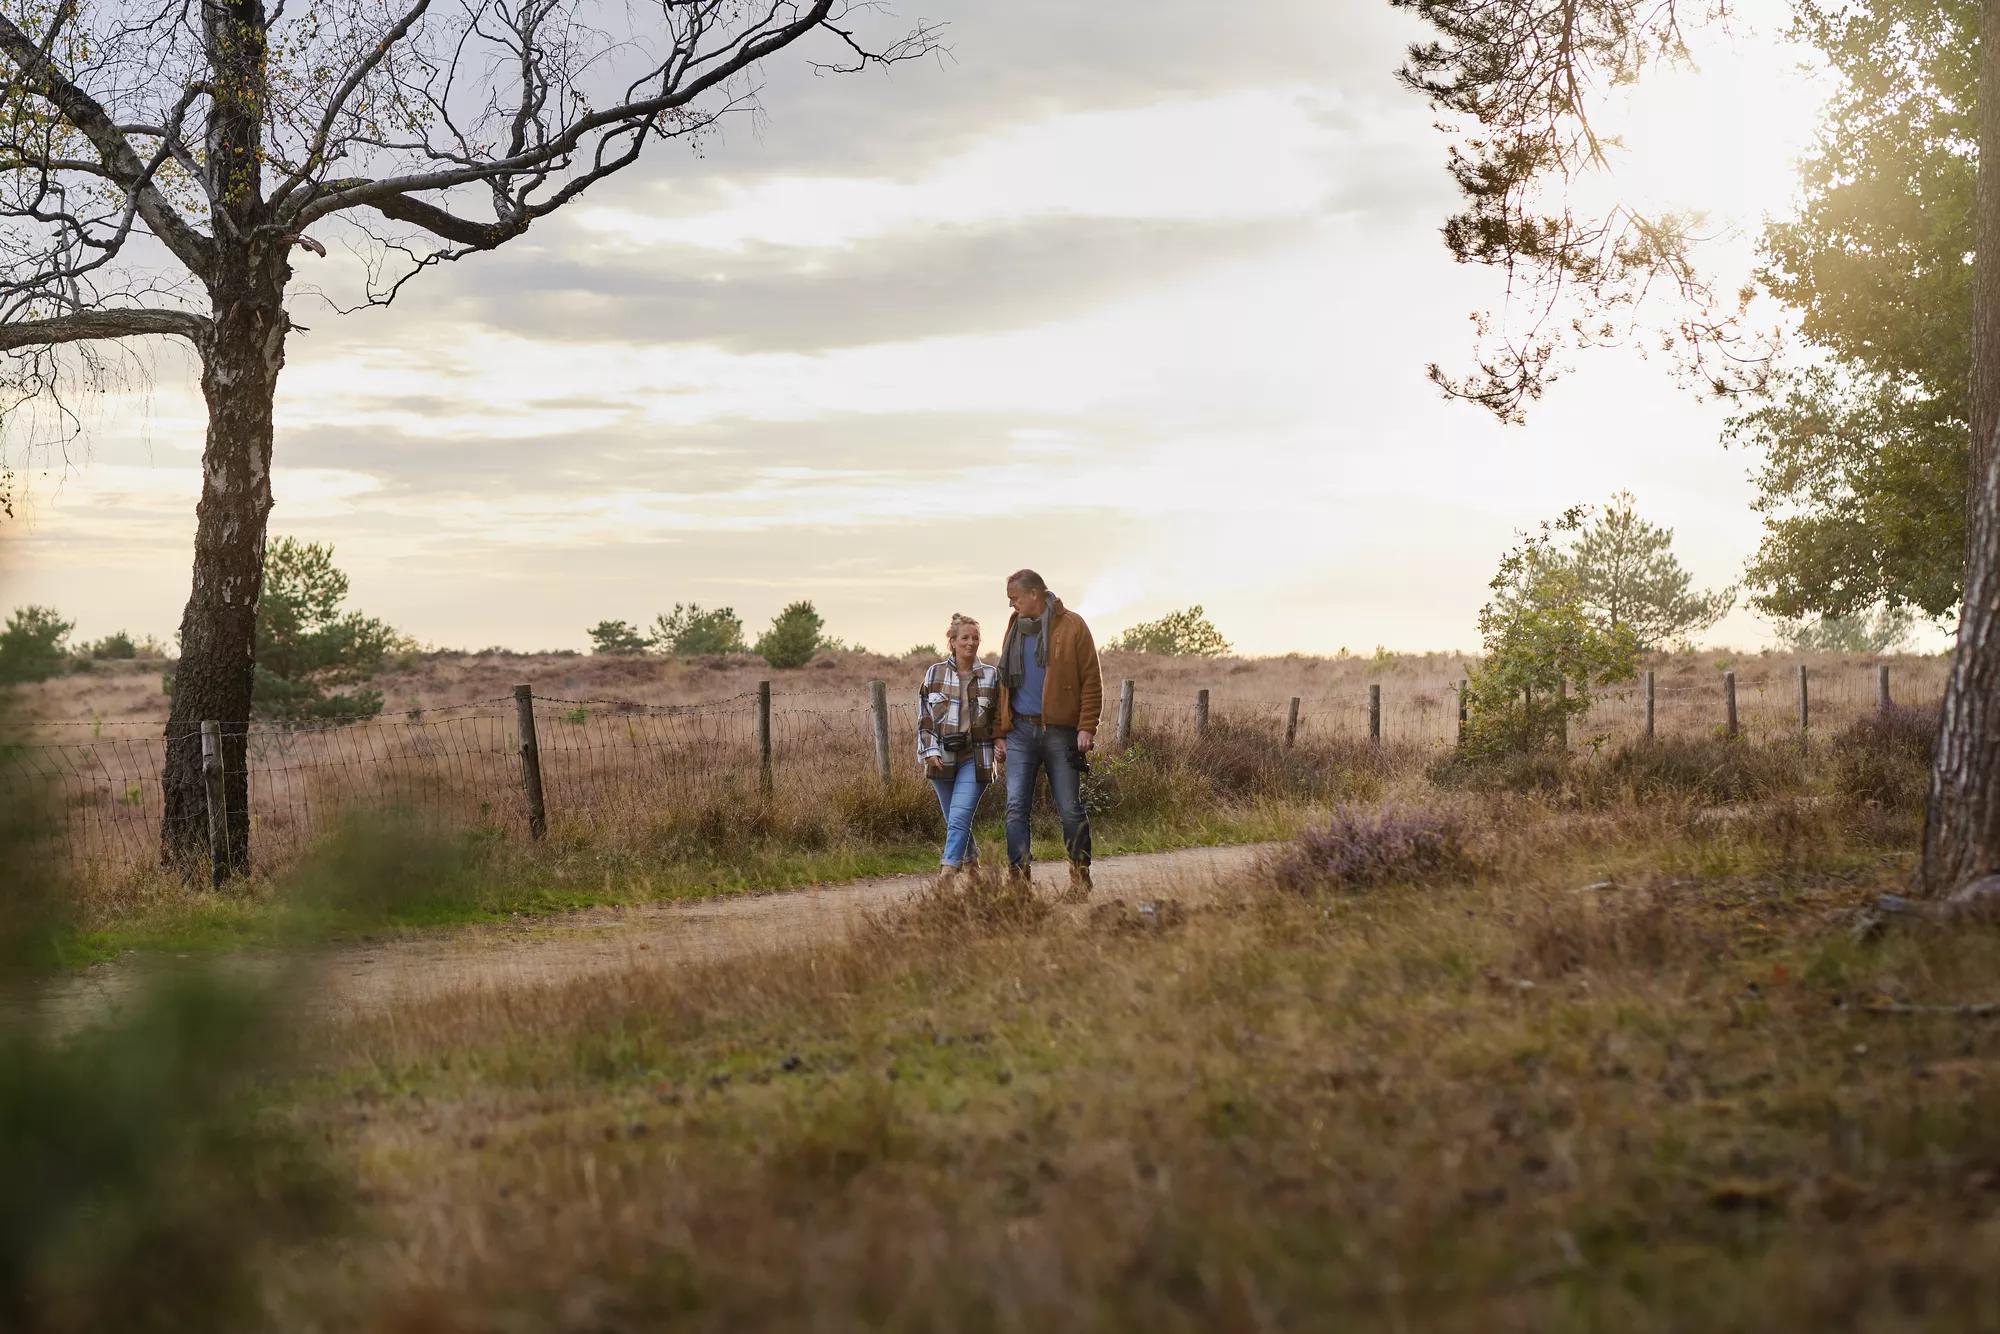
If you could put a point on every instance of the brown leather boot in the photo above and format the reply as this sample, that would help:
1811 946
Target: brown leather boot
1079 884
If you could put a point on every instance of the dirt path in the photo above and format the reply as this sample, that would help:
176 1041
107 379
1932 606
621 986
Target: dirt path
403 970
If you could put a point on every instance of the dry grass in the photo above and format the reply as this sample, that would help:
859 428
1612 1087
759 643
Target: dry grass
1618 1078
623 733
1417 688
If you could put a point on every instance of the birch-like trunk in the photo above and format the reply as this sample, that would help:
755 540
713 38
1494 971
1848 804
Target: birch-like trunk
239 382
1962 820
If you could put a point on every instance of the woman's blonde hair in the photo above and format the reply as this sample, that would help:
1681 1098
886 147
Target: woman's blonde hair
959 621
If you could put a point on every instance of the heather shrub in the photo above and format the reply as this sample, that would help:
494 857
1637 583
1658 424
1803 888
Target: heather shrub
1361 847
1885 759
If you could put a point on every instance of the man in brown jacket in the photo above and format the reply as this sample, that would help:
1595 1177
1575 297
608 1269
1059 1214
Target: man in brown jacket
1051 691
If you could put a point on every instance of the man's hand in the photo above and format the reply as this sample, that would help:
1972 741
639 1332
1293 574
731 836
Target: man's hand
1086 742
1000 752
933 765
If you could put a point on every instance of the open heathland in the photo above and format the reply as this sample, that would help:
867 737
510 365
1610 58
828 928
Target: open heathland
1614 1046
651 771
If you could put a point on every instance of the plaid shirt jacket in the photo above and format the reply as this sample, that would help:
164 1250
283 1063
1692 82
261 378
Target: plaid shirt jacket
938 713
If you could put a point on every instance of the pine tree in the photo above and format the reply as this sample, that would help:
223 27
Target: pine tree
1628 578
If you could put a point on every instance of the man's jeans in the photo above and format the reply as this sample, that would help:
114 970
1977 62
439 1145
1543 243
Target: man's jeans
958 798
1032 747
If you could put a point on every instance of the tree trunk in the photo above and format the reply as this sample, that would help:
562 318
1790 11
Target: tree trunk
239 381
1962 819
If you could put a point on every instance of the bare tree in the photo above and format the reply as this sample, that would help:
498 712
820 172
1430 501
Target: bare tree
161 161
1525 75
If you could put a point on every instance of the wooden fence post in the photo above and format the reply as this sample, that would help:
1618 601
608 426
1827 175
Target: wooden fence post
1650 702
1805 703
1882 700
218 813
1375 714
878 704
1729 703
764 737
1201 711
1291 722
531 761
1122 738
1464 689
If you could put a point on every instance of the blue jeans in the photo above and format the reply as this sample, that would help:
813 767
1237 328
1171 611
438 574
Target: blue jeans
958 798
1032 747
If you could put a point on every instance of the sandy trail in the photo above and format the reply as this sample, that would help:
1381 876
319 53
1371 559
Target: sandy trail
359 977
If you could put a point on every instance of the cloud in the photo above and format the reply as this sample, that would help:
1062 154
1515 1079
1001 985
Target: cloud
772 297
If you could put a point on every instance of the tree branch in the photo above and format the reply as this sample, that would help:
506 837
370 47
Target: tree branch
37 72
98 324
336 104
309 206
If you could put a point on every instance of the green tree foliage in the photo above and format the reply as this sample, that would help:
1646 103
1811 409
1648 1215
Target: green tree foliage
114 647
1862 486
691 629
793 638
1179 634
1519 87
34 646
616 637
1543 649
1886 630
313 659
1628 577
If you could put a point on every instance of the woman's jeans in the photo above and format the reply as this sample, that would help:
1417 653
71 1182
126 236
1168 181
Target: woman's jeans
1032 746
958 797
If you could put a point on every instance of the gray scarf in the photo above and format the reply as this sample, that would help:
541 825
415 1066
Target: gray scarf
1013 666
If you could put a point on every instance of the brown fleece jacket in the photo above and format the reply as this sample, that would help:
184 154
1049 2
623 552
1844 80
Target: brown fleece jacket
1073 691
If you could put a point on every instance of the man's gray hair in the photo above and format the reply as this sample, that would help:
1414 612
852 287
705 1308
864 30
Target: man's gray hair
1026 581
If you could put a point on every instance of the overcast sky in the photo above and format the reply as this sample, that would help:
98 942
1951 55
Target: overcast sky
1138 294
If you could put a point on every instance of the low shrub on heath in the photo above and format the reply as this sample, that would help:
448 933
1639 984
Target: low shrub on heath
1362 847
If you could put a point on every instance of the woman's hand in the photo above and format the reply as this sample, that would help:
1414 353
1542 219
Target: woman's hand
933 765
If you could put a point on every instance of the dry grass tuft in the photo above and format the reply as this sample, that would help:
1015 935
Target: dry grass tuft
969 905
1884 759
1706 769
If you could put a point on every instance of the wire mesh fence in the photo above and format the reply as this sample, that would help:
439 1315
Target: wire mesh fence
92 792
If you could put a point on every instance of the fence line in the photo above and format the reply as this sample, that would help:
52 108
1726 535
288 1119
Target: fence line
521 765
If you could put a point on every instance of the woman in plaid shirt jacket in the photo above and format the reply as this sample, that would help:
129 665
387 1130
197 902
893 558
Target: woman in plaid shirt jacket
955 708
